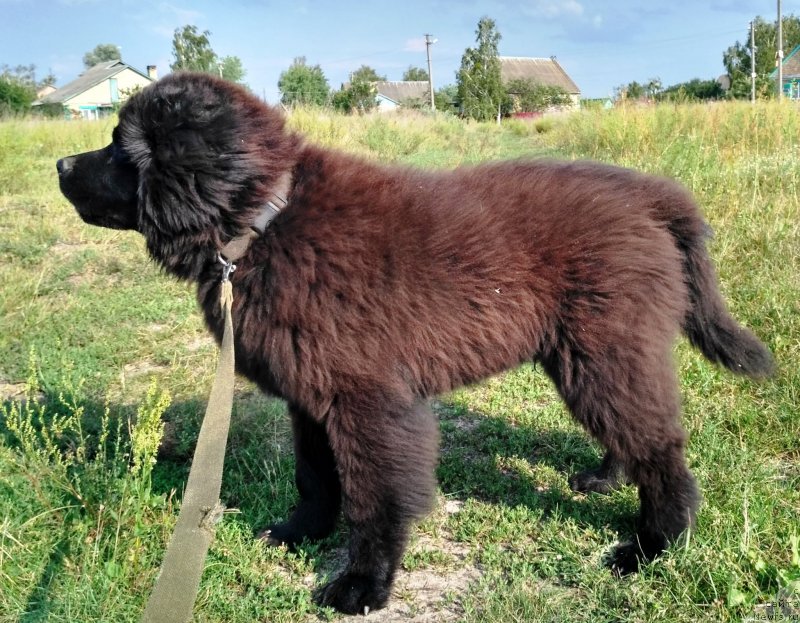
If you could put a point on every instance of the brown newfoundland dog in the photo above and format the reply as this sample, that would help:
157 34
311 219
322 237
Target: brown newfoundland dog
375 288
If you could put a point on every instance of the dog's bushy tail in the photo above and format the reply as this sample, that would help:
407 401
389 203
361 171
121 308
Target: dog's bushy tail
708 324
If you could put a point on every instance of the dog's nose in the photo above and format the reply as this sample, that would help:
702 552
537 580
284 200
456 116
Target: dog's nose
63 165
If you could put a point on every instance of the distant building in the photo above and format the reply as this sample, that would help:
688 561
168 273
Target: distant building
791 74
545 71
45 91
98 91
393 94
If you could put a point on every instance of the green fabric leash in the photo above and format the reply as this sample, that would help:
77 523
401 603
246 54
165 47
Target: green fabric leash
174 593
175 590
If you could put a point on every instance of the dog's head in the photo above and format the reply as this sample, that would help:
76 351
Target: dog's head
102 185
190 162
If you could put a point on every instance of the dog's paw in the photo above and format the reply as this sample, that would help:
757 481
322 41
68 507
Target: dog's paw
625 559
588 482
353 593
279 534
596 481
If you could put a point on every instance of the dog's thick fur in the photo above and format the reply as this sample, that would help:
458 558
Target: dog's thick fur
378 287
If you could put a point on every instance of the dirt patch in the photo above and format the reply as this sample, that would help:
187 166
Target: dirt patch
420 596
428 595
66 247
12 391
16 392
142 368
205 341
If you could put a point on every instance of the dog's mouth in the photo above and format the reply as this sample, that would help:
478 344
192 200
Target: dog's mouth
107 220
95 211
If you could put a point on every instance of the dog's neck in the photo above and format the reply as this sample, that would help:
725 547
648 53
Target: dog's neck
279 194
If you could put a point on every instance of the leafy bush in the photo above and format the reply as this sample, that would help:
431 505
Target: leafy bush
16 97
523 95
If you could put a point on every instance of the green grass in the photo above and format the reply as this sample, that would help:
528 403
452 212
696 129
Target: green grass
113 357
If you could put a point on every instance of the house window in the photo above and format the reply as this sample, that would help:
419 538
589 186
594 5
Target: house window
112 82
89 112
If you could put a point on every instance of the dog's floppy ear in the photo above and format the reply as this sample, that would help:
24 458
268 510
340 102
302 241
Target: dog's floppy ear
184 136
207 154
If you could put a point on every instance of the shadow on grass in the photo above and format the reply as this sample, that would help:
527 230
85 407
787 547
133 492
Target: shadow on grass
38 604
482 457
485 458
495 461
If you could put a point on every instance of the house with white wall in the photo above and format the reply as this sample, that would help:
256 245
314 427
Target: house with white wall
99 90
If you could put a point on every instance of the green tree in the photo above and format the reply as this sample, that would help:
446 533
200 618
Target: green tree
365 73
653 87
303 84
102 53
25 75
633 91
16 96
358 97
231 68
18 87
446 98
48 81
415 74
529 96
359 94
739 64
637 91
193 52
693 90
480 88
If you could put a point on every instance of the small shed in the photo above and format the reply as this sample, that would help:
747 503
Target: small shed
545 71
99 90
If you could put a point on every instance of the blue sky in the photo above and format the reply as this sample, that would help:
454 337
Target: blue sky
600 43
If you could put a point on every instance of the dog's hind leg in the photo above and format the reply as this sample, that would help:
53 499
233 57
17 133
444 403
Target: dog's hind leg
386 454
630 403
317 482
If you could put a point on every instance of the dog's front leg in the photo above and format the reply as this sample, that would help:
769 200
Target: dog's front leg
386 450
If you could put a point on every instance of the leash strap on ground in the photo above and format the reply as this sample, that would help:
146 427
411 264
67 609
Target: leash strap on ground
174 593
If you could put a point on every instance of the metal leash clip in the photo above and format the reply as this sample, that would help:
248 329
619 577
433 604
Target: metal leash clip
227 267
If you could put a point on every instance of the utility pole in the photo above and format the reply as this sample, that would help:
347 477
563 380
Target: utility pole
752 63
779 60
428 43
